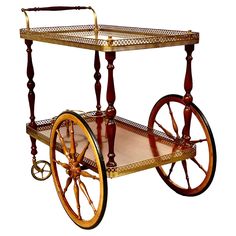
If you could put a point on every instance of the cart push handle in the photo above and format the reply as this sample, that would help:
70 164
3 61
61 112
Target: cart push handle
55 8
59 8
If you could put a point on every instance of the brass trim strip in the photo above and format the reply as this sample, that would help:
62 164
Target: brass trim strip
123 38
151 163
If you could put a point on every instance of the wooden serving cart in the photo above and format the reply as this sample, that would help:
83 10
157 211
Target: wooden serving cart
88 147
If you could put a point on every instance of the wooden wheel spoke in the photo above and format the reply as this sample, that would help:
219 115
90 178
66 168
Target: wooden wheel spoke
67 123
64 165
72 140
168 133
174 124
76 192
88 175
198 141
64 148
171 169
68 182
81 155
198 164
86 194
184 163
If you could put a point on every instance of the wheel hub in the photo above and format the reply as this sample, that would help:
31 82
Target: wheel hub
74 169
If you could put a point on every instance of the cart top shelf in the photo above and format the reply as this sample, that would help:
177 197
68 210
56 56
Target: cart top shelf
110 38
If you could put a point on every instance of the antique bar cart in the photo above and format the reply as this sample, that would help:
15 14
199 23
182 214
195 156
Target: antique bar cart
88 147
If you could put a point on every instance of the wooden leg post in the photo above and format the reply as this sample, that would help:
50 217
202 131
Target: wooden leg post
110 111
188 85
97 77
31 95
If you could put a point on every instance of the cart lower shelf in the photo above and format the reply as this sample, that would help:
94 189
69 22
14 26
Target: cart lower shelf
133 148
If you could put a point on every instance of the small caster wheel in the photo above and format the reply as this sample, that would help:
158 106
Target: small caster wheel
41 170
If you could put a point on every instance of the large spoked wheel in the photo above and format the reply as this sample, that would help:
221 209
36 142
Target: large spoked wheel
82 190
192 176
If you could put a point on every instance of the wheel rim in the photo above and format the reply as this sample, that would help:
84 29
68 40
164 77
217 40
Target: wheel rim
82 191
192 176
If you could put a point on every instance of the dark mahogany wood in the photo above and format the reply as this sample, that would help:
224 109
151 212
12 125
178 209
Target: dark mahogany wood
30 84
55 8
99 121
33 148
110 111
97 77
188 85
31 94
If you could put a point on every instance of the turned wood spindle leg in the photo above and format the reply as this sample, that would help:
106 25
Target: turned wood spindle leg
99 121
31 95
110 111
97 77
188 85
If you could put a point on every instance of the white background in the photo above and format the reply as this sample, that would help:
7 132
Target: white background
140 203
